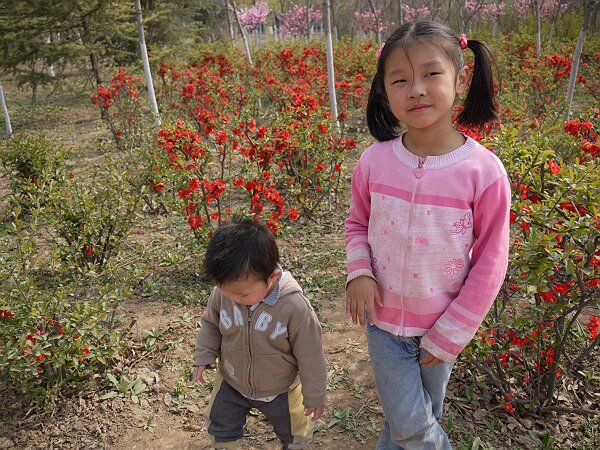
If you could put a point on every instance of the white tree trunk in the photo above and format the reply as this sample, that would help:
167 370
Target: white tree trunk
242 32
588 11
147 72
9 130
47 68
330 67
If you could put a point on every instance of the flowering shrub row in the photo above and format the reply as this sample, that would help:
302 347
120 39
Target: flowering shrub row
252 141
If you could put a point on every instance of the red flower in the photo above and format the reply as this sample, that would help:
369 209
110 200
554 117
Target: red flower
261 132
221 137
509 408
191 208
525 225
553 167
4 313
561 288
548 296
567 206
293 214
593 325
89 251
194 222
158 187
194 184
184 193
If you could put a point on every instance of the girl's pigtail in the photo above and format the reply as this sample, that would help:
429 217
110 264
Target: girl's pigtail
382 123
479 106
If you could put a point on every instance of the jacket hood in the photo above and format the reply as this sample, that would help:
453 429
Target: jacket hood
288 285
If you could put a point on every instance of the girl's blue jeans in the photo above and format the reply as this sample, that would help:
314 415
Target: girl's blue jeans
412 396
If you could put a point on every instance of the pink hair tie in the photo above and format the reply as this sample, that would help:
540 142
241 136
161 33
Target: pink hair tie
378 52
462 39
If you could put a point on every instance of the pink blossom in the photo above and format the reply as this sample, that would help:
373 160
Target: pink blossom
294 21
367 21
547 7
253 16
485 9
411 14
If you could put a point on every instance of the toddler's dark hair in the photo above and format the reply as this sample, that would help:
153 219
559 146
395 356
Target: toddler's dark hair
479 107
240 249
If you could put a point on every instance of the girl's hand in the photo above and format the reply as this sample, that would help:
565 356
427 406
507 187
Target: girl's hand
316 412
430 360
361 296
198 371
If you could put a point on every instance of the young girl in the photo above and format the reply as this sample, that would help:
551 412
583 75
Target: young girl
428 228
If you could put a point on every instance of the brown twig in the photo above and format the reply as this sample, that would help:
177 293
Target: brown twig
566 409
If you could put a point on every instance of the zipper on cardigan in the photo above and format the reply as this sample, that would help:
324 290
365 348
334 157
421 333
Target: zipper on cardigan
419 171
409 237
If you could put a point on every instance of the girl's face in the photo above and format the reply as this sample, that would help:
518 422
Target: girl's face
421 85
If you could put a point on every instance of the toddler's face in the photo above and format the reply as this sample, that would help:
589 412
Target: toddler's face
250 290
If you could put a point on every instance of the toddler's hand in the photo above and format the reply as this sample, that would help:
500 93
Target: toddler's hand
361 296
316 412
198 371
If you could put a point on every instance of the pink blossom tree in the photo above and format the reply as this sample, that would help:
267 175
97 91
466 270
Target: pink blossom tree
298 19
547 8
253 16
489 10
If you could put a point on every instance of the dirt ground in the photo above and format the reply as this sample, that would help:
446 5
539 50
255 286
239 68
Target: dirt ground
119 423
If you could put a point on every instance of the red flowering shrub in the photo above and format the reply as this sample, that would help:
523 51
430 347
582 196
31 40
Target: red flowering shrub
124 110
272 153
540 328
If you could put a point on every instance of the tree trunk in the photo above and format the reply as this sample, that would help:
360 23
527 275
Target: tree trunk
334 28
330 67
538 29
93 59
377 24
308 26
9 130
47 68
242 32
146 62
229 24
589 6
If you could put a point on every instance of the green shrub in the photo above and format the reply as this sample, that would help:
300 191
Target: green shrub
52 340
32 164
90 217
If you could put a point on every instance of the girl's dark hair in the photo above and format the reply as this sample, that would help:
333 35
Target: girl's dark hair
479 107
240 249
